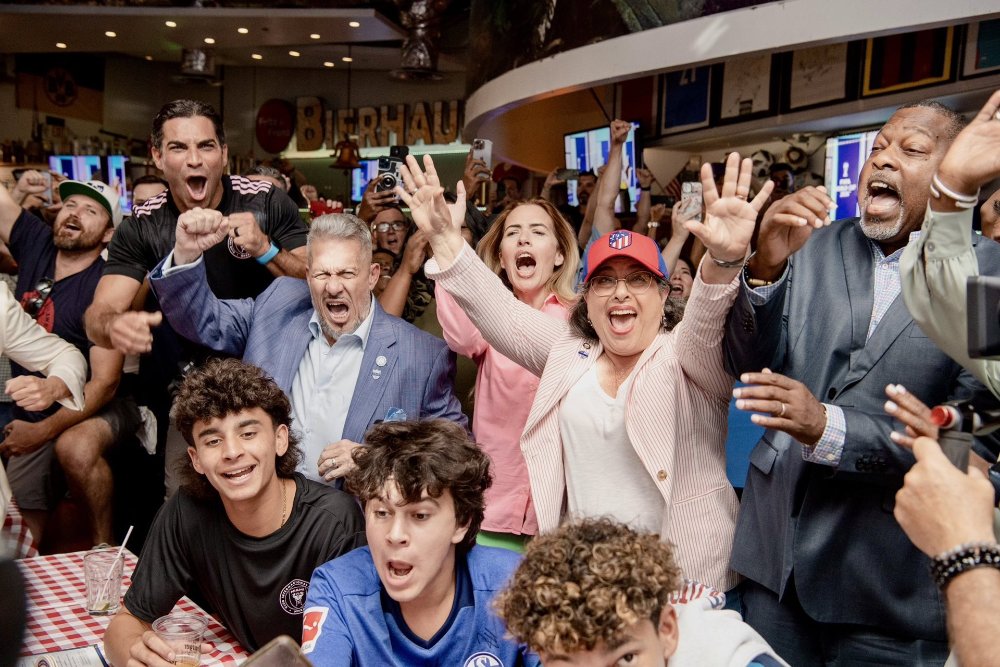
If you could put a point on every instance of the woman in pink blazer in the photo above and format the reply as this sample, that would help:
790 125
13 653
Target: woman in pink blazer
533 250
629 418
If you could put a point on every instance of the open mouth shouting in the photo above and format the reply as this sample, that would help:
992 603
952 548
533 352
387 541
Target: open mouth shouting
338 310
622 319
882 199
197 187
398 570
525 264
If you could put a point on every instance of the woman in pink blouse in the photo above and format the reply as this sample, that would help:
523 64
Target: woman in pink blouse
533 250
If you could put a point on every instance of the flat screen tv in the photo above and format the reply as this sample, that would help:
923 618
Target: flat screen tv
845 155
588 149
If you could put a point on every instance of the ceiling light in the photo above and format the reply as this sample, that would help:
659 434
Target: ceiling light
256 56
242 31
209 40
347 59
354 24
110 33
315 35
327 63
149 57
170 24
294 54
60 45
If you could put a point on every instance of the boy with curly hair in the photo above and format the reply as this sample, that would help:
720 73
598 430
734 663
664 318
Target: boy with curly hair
245 531
421 592
598 594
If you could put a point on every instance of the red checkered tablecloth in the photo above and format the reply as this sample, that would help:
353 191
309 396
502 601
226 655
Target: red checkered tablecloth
58 619
16 532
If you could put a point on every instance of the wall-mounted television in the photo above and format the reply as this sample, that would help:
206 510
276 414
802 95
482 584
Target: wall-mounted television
845 155
110 169
588 149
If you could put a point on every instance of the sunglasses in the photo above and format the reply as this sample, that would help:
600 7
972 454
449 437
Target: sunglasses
43 290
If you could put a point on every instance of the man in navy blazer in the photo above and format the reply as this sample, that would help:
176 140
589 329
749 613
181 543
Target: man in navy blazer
818 332
344 362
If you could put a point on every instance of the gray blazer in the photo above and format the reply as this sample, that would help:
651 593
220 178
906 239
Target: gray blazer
272 332
833 526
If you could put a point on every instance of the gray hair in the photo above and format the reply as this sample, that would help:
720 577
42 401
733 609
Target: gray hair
341 226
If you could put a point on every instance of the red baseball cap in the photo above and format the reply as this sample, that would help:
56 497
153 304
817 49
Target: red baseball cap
623 243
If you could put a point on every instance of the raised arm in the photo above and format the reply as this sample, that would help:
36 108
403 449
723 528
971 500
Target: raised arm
516 330
935 268
643 207
601 213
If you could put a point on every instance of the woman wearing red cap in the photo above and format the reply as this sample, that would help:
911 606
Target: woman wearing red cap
629 419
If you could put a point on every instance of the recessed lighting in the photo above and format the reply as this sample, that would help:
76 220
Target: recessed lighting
149 57
294 54
354 24
315 35
60 45
170 24
209 40
347 59
256 56
110 33
327 63
242 31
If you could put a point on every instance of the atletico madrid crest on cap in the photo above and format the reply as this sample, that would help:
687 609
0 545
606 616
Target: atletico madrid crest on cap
620 239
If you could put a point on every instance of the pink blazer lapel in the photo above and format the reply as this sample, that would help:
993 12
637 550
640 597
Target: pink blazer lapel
565 366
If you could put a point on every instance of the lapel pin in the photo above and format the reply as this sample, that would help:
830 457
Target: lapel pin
376 373
583 355
380 360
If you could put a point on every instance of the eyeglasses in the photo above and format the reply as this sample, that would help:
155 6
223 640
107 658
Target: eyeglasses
397 226
637 283
43 290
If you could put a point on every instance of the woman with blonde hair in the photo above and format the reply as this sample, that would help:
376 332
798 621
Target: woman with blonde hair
532 248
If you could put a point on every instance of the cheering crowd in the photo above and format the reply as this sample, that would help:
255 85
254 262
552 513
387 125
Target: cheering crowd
324 482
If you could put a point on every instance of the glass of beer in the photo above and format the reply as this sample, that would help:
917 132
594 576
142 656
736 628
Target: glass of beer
184 634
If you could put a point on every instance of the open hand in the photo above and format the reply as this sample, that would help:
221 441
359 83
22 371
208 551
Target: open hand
973 158
439 220
729 217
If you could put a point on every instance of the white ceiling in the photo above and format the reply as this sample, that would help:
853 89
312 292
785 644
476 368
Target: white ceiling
142 32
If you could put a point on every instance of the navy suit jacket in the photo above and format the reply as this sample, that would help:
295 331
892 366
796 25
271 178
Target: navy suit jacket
831 527
272 332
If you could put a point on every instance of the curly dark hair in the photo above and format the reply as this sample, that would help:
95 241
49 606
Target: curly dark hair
579 318
435 456
585 584
222 387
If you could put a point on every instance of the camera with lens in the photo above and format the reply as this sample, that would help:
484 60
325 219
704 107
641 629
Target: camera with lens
389 176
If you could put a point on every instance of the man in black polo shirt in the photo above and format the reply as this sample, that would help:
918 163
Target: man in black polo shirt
266 239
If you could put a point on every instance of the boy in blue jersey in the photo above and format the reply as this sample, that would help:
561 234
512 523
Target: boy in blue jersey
598 594
421 592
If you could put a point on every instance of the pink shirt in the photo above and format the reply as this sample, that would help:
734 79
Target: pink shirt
504 394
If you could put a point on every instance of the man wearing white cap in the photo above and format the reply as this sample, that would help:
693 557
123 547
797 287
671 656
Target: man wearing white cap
59 268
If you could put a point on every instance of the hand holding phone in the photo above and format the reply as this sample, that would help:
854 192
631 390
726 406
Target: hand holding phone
482 150
691 200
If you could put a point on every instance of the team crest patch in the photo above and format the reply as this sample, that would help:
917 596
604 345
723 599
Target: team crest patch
237 251
483 659
312 626
620 240
293 596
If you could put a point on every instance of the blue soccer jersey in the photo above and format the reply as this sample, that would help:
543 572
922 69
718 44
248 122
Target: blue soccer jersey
349 620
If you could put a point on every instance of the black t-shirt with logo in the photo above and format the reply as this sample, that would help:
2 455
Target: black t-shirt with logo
143 240
62 312
256 586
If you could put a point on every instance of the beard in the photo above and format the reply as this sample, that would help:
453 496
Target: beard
882 231
84 242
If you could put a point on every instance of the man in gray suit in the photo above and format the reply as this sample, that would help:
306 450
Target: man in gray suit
831 577
344 363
